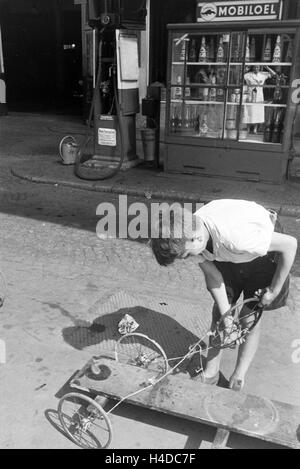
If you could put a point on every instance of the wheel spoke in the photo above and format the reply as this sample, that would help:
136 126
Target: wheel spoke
145 352
84 421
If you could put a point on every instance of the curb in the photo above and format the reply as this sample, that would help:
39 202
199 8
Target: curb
283 210
290 211
114 189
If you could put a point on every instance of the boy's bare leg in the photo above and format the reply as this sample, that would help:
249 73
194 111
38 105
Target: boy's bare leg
245 357
213 361
214 355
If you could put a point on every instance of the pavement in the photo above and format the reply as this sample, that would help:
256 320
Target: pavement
36 139
62 281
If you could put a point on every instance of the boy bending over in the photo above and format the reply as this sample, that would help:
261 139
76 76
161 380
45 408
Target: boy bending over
240 250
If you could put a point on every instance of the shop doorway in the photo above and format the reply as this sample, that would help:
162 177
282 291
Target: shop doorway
162 13
72 89
42 55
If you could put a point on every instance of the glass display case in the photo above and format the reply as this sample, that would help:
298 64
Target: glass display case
230 87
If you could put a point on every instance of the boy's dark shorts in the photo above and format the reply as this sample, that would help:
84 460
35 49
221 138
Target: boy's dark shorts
252 276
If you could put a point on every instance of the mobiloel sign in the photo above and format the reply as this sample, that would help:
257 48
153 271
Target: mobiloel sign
239 10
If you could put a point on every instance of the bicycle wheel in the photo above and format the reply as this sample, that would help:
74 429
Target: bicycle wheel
84 421
3 288
232 328
139 350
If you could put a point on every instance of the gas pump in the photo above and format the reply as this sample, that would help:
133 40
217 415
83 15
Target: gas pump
3 108
115 100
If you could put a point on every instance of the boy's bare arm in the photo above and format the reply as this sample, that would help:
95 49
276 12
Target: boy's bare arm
286 246
215 285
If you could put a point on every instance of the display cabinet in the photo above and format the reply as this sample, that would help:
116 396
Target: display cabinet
229 98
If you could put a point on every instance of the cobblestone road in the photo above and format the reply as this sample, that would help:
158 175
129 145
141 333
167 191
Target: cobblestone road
57 268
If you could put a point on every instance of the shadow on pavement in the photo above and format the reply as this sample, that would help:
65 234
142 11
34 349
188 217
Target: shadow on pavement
169 333
102 334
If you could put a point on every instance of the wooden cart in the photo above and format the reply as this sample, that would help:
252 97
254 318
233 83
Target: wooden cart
140 375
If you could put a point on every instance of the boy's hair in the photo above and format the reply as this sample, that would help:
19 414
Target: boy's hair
170 235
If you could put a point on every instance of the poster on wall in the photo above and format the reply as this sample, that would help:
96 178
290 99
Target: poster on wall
239 10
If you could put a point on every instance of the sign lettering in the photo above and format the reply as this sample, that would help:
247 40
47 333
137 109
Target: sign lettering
107 137
239 10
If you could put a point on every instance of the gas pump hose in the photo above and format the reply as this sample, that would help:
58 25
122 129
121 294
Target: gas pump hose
96 174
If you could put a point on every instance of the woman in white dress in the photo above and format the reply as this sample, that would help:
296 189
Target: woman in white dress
255 79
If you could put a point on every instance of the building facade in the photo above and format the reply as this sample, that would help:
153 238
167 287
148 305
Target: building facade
49 59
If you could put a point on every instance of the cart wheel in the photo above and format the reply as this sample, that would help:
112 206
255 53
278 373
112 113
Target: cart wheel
84 421
139 350
233 329
3 288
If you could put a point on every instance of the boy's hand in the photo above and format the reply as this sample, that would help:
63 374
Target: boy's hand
232 334
267 296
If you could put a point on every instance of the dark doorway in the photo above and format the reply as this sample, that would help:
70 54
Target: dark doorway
72 58
162 13
42 55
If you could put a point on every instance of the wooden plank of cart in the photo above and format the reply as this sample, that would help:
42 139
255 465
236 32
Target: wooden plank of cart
88 425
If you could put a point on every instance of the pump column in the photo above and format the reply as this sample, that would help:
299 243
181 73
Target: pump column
113 133
3 108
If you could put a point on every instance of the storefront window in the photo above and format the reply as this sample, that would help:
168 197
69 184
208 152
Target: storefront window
230 86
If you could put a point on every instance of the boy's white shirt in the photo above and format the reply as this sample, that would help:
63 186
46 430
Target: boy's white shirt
240 230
